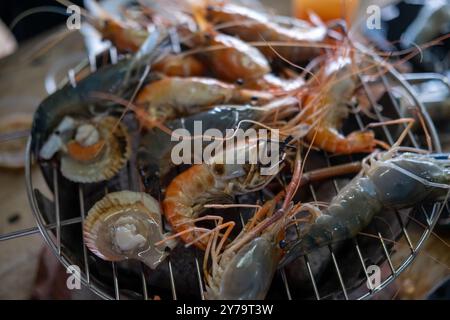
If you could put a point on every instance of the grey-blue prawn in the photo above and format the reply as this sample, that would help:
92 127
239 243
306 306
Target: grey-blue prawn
387 180
246 267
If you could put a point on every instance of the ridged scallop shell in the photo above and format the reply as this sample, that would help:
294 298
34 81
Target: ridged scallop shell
121 208
112 159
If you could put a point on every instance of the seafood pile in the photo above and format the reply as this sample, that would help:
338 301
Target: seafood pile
227 66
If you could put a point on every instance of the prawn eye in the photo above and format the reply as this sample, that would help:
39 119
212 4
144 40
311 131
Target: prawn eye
283 244
219 169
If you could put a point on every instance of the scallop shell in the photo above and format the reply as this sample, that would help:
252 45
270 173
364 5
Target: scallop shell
113 158
12 152
139 214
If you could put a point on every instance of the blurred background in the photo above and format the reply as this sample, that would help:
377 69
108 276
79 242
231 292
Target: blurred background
36 48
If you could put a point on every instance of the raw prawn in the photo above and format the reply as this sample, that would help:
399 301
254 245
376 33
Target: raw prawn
245 269
129 37
250 25
326 104
180 65
154 166
188 192
125 38
173 96
229 58
386 181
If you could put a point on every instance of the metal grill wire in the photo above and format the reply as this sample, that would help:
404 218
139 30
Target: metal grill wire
52 231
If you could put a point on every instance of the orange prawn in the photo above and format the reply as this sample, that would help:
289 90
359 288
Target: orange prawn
230 58
129 37
174 96
250 25
325 103
187 193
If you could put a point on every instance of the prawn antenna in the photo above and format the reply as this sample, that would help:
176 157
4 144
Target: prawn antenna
40 9
285 144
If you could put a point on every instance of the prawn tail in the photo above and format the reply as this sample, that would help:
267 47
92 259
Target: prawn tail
360 141
332 141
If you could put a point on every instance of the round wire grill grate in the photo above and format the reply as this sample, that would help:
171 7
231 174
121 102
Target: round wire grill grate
356 289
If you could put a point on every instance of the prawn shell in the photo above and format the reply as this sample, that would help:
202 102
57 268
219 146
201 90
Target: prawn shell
115 154
248 275
140 209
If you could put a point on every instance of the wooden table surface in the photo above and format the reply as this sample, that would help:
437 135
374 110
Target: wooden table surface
22 87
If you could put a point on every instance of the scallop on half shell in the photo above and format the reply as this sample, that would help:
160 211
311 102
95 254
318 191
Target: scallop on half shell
126 225
112 140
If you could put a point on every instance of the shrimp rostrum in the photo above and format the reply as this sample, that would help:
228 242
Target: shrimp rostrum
387 180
